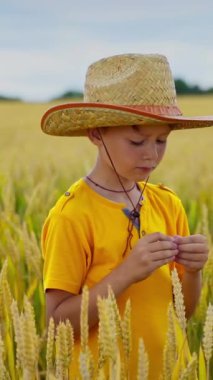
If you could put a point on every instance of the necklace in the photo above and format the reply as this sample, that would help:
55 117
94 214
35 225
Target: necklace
135 213
113 191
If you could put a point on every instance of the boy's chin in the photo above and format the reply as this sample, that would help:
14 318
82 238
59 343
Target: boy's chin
142 178
142 174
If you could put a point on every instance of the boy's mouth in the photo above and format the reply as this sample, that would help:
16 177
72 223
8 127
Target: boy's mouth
145 168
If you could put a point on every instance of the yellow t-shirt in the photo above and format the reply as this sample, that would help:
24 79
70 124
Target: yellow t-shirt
83 240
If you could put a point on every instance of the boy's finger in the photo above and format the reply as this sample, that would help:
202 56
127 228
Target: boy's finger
189 239
163 245
157 236
189 257
165 255
192 248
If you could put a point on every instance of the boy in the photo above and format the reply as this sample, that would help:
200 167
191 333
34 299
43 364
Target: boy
113 227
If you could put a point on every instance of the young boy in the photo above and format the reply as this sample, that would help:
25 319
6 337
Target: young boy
113 227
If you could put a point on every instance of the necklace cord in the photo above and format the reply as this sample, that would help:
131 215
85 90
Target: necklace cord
134 213
141 194
107 152
113 191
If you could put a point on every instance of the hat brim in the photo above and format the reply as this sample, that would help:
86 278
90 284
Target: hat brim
73 119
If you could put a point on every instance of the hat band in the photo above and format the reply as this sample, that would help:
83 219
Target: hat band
158 110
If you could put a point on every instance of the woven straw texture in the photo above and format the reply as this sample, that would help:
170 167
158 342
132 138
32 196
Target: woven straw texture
131 80
126 89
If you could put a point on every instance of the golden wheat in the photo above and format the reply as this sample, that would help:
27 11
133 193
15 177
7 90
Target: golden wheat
26 338
84 319
170 350
143 362
63 352
4 375
50 353
190 372
208 337
107 328
29 185
179 300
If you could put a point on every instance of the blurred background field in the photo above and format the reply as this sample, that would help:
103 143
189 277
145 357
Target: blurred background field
42 166
35 169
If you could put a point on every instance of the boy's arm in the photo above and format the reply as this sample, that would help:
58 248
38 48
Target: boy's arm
149 253
62 305
192 254
191 285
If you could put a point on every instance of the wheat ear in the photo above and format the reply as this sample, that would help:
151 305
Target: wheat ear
117 315
143 362
63 350
170 349
190 372
208 337
84 318
5 292
4 375
18 334
179 300
31 340
107 329
50 353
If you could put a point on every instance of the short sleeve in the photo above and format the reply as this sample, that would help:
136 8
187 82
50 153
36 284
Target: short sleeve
65 252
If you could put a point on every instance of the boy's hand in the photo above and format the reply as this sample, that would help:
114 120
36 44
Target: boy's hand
192 251
150 253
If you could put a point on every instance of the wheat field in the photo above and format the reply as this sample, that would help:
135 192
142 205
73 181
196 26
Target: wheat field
34 170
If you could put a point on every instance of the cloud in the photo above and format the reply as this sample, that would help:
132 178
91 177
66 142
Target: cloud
46 46
41 75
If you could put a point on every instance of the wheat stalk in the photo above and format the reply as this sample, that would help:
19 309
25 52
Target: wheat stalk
170 349
127 330
190 373
31 339
117 315
64 348
18 334
107 329
143 362
50 352
101 374
4 375
208 337
127 334
31 250
84 365
84 318
178 299
5 292
26 338
69 339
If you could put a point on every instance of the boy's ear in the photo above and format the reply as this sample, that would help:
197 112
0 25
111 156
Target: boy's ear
94 136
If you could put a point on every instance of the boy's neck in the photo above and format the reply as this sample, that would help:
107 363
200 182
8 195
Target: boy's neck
106 177
117 197
111 184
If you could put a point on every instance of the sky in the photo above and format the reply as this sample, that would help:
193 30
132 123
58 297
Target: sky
46 46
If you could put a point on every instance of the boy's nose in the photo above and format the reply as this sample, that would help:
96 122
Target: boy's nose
151 153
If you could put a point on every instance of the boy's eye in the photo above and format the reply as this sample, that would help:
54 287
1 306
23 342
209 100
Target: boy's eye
161 141
141 142
136 142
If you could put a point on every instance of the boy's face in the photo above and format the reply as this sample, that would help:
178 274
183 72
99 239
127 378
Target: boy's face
135 150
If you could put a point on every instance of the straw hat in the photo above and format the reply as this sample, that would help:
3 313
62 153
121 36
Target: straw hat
128 89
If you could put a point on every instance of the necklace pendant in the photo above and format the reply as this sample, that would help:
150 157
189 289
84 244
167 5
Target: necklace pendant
135 214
